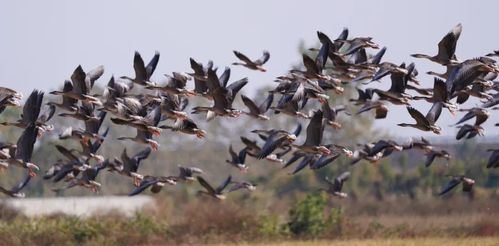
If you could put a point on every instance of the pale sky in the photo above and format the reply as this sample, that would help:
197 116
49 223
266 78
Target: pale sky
43 41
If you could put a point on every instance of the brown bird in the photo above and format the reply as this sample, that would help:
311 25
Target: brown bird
253 65
446 48
455 181
425 123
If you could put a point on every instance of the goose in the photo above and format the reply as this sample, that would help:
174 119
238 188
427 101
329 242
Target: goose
87 178
150 123
467 72
200 76
222 97
381 110
455 181
31 113
242 185
469 131
425 123
446 48
24 150
16 190
237 160
480 114
129 165
9 101
143 73
156 184
258 112
216 193
335 186
174 85
494 53
68 169
330 115
313 140
187 126
493 161
358 43
173 106
275 139
187 173
290 108
253 149
68 103
253 65
81 88
384 146
432 154
422 144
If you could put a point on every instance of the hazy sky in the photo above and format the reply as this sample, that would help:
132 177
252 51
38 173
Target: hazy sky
43 43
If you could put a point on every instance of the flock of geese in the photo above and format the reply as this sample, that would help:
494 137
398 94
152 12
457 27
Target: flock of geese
154 108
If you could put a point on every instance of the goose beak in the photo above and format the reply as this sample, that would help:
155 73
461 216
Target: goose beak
335 125
180 115
30 167
137 178
155 131
339 90
324 150
322 100
348 153
200 133
95 183
220 197
99 158
243 168
469 181
31 173
340 194
154 145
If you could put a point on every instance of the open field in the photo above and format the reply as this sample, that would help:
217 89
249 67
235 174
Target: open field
389 242
309 222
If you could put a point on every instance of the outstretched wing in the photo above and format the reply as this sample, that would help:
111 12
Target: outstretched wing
450 185
142 154
21 185
151 66
272 142
25 143
251 105
315 130
233 154
224 184
242 57
338 181
205 184
146 183
418 116
266 104
447 46
262 60
434 112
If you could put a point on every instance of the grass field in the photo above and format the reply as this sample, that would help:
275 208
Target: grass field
208 222
492 241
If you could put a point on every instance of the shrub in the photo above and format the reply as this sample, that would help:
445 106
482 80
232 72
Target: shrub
307 217
270 227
